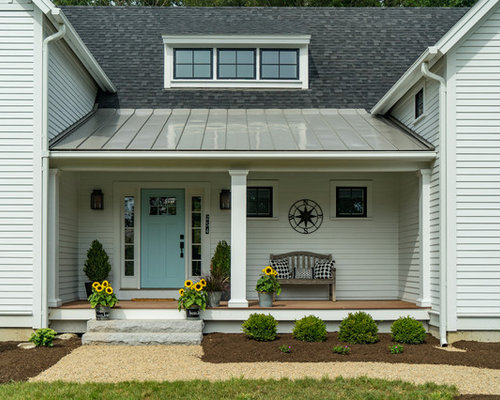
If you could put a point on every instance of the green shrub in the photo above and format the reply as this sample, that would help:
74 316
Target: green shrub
408 330
43 337
310 329
344 350
260 327
358 328
396 349
220 265
97 266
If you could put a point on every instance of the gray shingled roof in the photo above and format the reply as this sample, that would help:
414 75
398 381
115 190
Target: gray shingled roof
248 129
356 54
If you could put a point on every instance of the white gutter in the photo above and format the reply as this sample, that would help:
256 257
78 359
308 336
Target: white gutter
45 161
443 195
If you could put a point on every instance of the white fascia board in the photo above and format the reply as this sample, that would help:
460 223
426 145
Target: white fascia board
240 40
433 54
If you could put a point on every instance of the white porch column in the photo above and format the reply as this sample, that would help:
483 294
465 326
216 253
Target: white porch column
425 237
53 240
238 238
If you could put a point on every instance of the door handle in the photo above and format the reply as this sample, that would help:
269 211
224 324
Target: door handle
181 245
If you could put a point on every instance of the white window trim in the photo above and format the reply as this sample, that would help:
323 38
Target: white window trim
351 183
275 186
215 42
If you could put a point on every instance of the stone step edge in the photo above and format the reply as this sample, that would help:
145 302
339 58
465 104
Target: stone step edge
141 338
159 326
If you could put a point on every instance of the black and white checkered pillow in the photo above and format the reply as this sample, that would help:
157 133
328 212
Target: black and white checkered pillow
282 268
323 269
301 273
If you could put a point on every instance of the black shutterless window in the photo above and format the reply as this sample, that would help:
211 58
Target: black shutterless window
192 63
236 64
260 201
351 202
419 103
279 64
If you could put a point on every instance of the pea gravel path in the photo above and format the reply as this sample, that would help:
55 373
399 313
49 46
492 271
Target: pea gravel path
160 363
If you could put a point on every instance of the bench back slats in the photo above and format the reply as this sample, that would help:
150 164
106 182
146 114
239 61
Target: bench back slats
302 259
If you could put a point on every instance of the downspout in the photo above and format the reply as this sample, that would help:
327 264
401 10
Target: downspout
45 162
443 194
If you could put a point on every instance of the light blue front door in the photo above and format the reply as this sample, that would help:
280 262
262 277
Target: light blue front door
162 232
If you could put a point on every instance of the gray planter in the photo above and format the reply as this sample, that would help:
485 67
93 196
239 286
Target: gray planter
214 299
266 299
102 313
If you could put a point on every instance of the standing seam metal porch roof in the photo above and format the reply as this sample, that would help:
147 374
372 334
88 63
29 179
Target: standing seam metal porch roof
236 129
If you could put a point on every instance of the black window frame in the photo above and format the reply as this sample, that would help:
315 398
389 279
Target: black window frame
419 103
297 51
193 64
365 197
254 50
271 201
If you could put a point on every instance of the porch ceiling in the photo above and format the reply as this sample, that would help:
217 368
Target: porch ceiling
236 130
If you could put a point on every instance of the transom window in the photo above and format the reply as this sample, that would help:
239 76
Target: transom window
279 64
260 201
351 202
236 63
419 103
193 63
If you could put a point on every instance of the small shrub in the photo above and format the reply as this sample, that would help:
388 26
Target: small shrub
43 337
97 265
358 328
408 330
260 327
344 350
396 349
286 349
310 329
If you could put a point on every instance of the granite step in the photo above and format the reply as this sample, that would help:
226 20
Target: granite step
141 338
145 325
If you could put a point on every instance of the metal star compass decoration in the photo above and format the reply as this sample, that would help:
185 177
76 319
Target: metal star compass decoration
305 216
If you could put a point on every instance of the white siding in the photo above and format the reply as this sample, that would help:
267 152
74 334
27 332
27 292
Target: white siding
477 66
72 91
428 128
17 92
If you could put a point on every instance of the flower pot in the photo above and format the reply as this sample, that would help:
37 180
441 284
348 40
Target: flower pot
193 313
266 299
214 299
88 288
102 313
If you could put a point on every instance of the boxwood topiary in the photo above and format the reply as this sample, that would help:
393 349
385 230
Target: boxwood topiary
358 328
310 329
260 327
408 330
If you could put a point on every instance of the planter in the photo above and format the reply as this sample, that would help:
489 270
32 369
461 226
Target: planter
214 299
193 313
102 313
266 299
88 288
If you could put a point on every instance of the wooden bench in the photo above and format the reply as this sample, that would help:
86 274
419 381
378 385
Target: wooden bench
306 260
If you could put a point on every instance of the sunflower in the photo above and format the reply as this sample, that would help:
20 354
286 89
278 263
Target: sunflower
188 283
203 282
109 290
268 270
105 283
95 284
181 292
198 286
99 288
275 273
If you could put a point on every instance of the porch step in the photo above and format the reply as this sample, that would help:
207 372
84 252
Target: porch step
143 332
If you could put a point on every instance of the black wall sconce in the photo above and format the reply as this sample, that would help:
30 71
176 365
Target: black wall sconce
225 199
97 200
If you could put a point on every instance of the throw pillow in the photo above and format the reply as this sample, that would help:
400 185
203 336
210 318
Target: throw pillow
301 273
323 269
282 268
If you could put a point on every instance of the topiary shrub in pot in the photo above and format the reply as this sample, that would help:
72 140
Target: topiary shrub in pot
310 329
408 330
358 328
97 265
261 327
220 266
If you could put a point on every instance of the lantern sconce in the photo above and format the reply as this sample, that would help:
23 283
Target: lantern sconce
225 199
97 200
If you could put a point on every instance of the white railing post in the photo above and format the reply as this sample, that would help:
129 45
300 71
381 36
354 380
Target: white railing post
425 237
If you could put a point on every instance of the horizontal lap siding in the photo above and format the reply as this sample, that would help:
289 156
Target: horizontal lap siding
477 63
17 92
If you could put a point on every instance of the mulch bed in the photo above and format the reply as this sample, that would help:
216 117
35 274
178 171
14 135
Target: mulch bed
235 347
19 365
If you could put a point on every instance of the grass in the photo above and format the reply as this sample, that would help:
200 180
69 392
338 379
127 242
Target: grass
239 389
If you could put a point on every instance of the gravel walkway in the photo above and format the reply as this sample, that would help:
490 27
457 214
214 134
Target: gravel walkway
160 363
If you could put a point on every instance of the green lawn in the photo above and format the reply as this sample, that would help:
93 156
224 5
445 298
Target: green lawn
340 388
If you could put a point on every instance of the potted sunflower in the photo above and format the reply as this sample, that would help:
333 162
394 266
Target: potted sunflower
192 298
102 299
267 286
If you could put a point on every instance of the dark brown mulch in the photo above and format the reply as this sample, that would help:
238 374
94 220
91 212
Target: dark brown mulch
478 397
225 348
19 365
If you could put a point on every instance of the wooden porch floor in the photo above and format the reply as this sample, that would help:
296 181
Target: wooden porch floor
253 304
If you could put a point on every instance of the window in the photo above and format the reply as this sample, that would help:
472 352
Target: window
196 235
128 216
419 103
192 63
236 63
351 202
260 201
279 64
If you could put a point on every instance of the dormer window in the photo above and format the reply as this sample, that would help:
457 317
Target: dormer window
237 61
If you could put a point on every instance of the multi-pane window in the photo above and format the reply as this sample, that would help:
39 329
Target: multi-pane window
236 63
196 235
192 63
351 201
279 64
260 201
419 103
129 226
